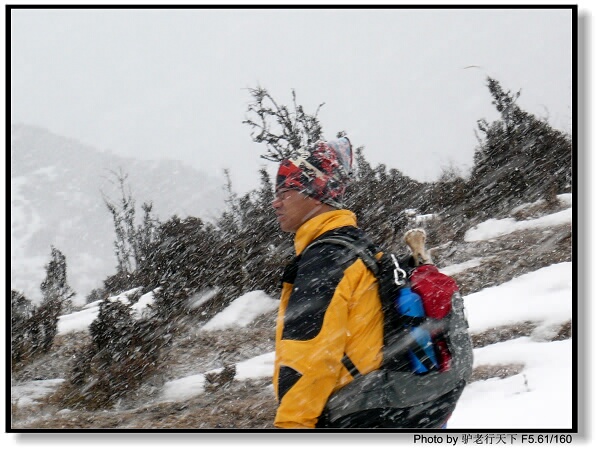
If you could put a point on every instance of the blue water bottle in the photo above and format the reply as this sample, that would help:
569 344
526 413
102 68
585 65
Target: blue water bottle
422 359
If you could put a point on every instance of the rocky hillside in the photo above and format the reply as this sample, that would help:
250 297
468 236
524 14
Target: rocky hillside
229 403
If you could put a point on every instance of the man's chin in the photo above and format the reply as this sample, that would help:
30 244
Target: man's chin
283 226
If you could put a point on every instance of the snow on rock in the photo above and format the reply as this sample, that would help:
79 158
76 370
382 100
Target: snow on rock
78 321
142 304
28 393
451 270
190 386
515 301
81 320
125 296
260 366
498 227
526 400
185 388
565 198
242 311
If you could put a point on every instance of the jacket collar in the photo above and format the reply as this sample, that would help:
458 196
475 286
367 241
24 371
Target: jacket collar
320 224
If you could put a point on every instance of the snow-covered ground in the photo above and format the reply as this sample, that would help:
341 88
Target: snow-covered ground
540 397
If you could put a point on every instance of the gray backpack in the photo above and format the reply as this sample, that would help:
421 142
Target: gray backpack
394 386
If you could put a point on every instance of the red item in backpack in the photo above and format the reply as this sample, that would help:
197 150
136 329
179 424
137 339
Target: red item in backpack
443 356
435 289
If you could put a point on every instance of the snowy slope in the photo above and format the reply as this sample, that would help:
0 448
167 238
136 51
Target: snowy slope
539 397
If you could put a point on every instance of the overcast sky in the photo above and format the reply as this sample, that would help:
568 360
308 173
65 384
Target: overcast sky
172 83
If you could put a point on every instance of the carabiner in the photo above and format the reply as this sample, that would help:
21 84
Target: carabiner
399 272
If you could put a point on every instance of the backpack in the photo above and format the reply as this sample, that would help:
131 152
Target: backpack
398 384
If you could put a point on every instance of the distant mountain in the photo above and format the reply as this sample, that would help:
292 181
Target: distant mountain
56 199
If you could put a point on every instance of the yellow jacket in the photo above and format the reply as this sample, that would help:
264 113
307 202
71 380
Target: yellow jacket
329 310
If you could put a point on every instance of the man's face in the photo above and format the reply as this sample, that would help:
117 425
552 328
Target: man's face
293 208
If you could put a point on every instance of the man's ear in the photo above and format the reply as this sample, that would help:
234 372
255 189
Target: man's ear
319 204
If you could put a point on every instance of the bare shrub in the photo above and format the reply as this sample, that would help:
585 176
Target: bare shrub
484 372
503 333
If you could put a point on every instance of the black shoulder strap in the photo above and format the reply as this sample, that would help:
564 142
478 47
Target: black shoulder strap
358 247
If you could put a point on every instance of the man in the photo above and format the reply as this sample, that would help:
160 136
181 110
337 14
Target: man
330 326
